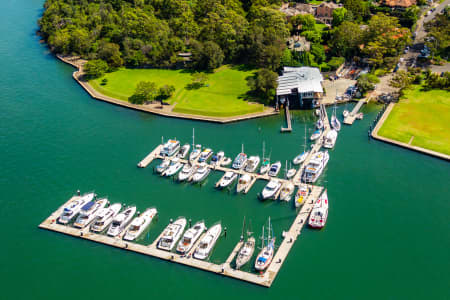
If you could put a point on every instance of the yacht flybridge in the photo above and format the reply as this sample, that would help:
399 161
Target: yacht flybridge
190 237
216 159
187 171
330 139
139 224
105 217
271 189
240 161
121 221
201 173
184 151
170 148
172 234
173 168
275 169
74 207
207 242
89 212
205 155
252 164
243 183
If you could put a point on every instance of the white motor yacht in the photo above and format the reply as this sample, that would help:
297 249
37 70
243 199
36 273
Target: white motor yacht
170 148
301 195
243 183
105 217
174 167
172 234
316 134
89 212
271 189
202 172
74 207
252 163
184 151
315 166
246 252
330 139
195 153
240 161
265 166
207 242
300 158
345 113
275 169
216 159
227 179
286 191
139 224
121 221
162 166
186 172
319 213
190 237
205 155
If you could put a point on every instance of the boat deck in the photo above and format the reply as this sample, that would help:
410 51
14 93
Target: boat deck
266 279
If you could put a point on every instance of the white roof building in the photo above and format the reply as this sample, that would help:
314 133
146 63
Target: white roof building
300 83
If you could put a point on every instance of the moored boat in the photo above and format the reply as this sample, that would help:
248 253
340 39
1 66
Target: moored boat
162 166
139 224
330 139
201 173
227 179
105 217
190 237
245 253
315 166
286 191
184 151
271 189
121 221
172 234
291 173
319 124
345 113
300 158
319 213
195 152
170 148
186 172
207 242
74 207
275 169
173 168
252 164
243 183
316 134
226 161
89 212
240 161
216 159
205 155
265 166
265 257
301 195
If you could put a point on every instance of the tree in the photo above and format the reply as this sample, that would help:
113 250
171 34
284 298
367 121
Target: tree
110 53
165 92
366 82
346 39
264 83
145 91
199 80
358 8
339 16
271 57
336 62
206 56
402 80
95 68
303 22
319 53
287 59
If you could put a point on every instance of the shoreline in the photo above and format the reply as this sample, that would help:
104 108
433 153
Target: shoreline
380 123
155 108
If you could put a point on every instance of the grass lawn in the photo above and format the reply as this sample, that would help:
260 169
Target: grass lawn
424 115
222 97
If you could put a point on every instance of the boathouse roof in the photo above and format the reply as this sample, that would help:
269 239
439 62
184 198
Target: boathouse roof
305 79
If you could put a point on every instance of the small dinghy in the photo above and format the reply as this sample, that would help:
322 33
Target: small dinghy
226 161
316 135
345 113
291 173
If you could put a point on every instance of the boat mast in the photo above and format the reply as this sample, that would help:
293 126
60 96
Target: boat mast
264 146
243 226
193 136
304 146
242 148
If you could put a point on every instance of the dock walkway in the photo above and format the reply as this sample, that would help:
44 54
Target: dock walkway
352 115
288 121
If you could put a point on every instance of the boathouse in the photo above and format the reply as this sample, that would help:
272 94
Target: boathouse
300 87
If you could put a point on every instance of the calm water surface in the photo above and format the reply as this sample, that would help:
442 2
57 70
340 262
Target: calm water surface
387 236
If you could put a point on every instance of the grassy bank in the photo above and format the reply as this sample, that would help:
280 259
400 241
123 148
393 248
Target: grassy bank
424 117
224 95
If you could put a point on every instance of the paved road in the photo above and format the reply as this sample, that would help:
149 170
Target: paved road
420 32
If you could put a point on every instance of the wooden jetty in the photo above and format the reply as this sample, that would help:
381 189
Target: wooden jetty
266 279
150 157
352 115
288 121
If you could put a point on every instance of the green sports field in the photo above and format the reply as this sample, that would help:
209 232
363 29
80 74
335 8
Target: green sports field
422 117
224 95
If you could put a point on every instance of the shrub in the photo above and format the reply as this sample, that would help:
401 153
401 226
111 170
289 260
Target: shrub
336 62
95 68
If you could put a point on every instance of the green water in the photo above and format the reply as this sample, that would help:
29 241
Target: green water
387 235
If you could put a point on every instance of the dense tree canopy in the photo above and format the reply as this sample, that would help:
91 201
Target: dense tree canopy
153 32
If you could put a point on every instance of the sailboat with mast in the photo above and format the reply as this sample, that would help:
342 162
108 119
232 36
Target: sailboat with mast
265 165
265 257
335 123
196 149
301 157
246 252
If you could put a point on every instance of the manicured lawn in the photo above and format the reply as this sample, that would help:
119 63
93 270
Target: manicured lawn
424 115
223 96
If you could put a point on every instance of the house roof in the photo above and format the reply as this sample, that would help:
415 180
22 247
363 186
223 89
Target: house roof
399 3
305 79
